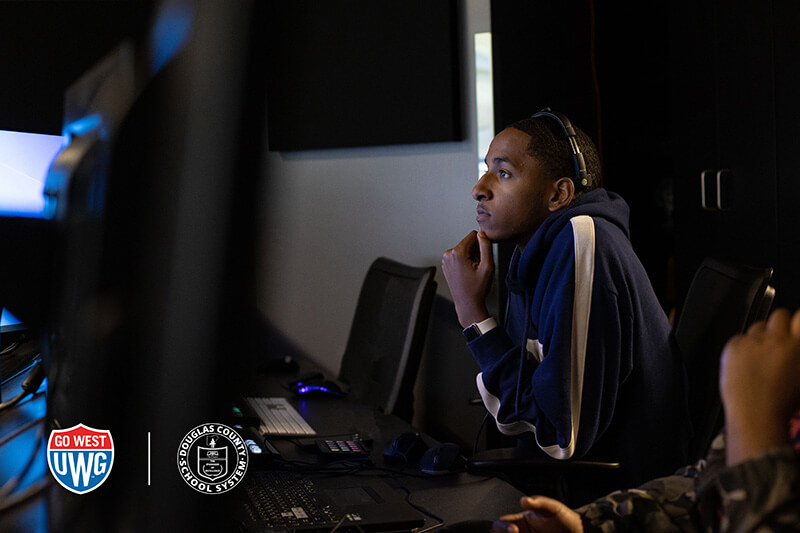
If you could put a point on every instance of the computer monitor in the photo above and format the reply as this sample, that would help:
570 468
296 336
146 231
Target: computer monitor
9 325
25 159
7 319
149 204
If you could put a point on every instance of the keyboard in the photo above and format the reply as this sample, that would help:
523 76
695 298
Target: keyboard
279 418
277 499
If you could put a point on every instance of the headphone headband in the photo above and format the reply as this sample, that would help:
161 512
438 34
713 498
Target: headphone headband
581 174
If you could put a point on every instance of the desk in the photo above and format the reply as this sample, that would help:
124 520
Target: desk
454 498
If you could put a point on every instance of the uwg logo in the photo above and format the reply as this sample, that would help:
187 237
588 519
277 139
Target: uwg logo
80 458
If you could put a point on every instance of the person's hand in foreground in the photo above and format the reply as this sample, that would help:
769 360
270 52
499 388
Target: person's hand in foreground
759 383
542 515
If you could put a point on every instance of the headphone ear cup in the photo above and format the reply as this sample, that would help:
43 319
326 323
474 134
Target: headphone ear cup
581 174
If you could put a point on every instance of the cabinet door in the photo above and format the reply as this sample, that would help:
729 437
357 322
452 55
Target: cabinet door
724 124
746 130
787 117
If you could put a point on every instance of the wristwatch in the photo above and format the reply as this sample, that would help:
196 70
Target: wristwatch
476 329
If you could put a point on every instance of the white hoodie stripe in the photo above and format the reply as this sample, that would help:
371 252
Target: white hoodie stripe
584 236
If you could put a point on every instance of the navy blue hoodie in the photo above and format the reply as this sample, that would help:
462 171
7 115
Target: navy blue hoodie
598 378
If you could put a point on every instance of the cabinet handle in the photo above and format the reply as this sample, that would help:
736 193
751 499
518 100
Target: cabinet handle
720 173
714 203
703 202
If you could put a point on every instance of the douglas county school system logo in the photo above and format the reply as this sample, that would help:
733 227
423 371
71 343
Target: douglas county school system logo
80 458
212 458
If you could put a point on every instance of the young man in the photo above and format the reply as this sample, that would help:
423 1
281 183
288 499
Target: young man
750 480
583 365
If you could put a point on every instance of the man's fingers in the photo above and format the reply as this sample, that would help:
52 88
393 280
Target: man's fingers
795 325
508 523
757 328
485 244
468 241
778 321
462 249
542 505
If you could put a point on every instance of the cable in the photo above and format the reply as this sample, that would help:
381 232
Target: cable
20 430
20 372
12 484
421 509
339 523
26 494
10 348
430 528
480 430
29 386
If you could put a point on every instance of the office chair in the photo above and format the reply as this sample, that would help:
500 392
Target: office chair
384 348
723 299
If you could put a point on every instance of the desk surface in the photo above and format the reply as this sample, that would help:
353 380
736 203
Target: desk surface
452 497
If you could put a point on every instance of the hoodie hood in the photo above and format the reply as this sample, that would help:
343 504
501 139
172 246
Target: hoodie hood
598 204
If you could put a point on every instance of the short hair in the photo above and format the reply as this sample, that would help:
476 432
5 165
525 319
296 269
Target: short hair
549 146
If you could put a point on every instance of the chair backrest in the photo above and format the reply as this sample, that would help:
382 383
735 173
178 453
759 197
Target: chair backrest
387 336
723 299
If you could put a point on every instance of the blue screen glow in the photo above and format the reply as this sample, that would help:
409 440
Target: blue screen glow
8 319
25 159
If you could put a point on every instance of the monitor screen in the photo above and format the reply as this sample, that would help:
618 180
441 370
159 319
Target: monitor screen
25 159
7 318
9 326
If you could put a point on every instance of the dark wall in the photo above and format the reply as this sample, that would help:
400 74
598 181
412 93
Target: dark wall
605 68
46 45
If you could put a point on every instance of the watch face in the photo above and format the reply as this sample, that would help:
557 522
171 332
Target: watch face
471 332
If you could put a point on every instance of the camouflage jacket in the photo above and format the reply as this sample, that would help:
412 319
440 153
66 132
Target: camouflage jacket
762 495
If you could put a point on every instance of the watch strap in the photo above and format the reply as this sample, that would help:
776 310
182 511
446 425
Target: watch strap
476 329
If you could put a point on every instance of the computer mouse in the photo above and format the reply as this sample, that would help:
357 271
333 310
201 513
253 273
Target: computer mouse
306 378
324 387
406 447
442 458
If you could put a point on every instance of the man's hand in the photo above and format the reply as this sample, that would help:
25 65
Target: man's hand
541 515
759 383
468 269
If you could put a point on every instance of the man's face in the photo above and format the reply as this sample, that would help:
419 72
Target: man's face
514 194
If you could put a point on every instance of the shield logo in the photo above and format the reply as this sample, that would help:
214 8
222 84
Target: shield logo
80 458
212 461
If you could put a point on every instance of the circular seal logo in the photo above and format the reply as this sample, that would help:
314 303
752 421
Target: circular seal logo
212 458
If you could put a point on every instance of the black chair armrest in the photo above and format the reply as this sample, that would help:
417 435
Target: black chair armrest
517 459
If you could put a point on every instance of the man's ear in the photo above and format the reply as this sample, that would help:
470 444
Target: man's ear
563 192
